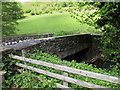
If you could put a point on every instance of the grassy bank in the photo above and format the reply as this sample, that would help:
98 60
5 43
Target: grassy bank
52 23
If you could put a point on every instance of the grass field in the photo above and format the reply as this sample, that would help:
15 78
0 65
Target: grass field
52 23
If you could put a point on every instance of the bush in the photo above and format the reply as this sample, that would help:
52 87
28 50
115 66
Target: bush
40 12
50 12
27 11
46 11
37 13
60 11
32 13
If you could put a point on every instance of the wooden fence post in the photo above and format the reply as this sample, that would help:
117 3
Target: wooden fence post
23 51
65 74
1 78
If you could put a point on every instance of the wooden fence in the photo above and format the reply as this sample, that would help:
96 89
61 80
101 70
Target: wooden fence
65 70
1 78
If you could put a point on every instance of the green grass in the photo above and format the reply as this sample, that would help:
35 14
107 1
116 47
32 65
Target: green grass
52 23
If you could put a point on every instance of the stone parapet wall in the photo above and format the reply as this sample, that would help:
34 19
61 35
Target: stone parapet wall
61 46
16 39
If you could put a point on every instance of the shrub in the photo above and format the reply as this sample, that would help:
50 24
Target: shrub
32 13
27 11
46 11
60 11
37 13
51 12
40 12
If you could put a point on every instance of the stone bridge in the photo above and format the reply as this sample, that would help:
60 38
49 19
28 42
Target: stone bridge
17 39
62 46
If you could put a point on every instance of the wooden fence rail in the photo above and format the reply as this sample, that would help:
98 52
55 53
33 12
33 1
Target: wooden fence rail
41 79
61 77
70 70
65 77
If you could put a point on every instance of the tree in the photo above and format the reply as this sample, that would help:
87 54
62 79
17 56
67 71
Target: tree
109 23
11 12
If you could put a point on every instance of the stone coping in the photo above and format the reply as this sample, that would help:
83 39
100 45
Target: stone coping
27 44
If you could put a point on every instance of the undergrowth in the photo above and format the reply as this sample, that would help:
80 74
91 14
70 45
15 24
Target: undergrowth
27 78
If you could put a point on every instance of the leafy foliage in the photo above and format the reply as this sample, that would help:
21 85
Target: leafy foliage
11 12
104 16
28 81
46 7
110 22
